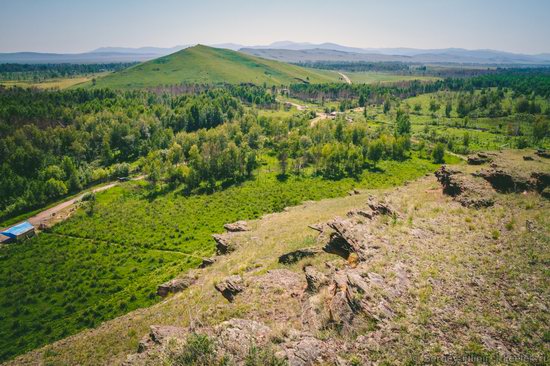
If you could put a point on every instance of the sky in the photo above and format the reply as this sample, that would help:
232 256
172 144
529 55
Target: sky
72 26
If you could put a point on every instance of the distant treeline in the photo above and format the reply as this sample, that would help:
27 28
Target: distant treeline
535 81
401 68
356 65
39 72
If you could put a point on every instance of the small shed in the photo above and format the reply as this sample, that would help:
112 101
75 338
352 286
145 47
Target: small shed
20 231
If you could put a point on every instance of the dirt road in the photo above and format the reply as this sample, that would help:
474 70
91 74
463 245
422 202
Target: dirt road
50 214
345 77
52 211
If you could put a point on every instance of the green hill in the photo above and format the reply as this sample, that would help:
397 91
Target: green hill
202 64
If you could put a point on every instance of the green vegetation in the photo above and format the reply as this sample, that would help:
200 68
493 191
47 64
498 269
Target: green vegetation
54 285
135 241
368 77
202 64
54 76
210 155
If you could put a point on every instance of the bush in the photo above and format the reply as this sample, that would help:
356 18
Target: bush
199 351
262 357
120 170
88 196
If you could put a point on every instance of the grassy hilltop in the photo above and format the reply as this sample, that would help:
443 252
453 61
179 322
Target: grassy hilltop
202 64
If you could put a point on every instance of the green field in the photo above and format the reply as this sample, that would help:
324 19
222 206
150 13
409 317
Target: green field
97 266
202 64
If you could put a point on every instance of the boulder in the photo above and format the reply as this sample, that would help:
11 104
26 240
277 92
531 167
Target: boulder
381 208
315 279
236 336
478 159
297 255
174 285
223 245
348 237
230 287
206 262
236 226
353 192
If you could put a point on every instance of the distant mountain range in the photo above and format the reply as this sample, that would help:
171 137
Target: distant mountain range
294 52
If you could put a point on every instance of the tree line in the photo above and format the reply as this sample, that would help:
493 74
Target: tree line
38 72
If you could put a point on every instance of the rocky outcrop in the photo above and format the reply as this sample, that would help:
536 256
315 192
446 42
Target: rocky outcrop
315 279
451 180
237 226
237 336
297 255
381 208
223 245
356 292
478 159
348 237
175 285
230 287
207 262
506 180
160 334
302 349
467 190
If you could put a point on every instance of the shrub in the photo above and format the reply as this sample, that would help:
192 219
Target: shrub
438 153
262 357
199 351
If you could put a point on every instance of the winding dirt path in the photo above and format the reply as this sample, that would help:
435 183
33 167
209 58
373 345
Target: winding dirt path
345 77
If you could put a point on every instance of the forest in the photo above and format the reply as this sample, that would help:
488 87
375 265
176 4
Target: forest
39 72
54 143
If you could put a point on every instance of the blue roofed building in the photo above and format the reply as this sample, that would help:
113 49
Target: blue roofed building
18 232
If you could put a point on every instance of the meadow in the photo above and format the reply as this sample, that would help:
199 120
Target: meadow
371 77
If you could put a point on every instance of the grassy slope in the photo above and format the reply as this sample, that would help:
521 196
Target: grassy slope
128 228
201 64
464 279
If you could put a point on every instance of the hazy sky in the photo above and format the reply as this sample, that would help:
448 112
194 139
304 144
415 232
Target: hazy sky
78 25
